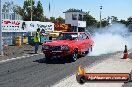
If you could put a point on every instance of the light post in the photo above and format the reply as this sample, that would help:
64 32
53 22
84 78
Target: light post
100 17
31 6
1 42
31 12
31 1
31 9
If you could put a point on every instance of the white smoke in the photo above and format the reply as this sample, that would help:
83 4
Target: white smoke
111 39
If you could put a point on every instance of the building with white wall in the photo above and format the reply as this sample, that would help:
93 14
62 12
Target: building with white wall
11 16
76 19
11 23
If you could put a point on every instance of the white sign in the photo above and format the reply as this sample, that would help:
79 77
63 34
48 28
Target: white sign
32 26
81 23
12 26
25 26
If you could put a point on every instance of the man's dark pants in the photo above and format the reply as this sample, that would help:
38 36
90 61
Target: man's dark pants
36 46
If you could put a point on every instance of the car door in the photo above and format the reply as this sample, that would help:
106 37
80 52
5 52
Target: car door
86 41
90 39
81 43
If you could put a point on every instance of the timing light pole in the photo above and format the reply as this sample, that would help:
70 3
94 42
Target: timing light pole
100 16
1 42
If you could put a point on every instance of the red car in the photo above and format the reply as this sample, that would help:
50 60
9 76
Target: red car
68 44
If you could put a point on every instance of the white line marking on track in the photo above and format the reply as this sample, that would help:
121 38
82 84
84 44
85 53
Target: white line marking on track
25 56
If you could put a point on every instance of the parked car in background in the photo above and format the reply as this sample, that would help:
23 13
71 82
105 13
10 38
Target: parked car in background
55 34
68 45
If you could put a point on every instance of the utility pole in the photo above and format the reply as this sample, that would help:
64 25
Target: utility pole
100 17
31 12
31 9
1 42
31 6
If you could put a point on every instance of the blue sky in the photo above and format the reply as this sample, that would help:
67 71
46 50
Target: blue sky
120 8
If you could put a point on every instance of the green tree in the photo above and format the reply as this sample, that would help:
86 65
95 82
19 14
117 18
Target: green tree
104 23
123 21
60 20
129 21
90 20
52 19
39 12
19 10
114 19
25 11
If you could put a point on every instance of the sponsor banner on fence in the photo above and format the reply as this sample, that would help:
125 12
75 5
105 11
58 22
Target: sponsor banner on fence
25 26
32 26
12 26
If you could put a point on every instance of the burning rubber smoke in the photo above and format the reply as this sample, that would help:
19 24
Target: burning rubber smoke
111 39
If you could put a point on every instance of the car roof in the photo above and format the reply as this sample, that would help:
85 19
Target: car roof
73 32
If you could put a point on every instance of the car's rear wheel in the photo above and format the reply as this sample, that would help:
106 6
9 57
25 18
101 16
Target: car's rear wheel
89 50
74 55
86 52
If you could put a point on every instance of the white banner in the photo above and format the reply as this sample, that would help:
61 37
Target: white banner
12 26
25 26
32 26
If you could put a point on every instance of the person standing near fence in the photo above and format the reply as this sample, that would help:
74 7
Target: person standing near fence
37 39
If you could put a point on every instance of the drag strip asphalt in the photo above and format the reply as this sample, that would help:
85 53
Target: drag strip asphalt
35 72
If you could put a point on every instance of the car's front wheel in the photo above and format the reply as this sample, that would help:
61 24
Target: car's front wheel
47 58
74 55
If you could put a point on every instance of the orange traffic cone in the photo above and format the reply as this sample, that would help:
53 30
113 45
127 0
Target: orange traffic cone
125 56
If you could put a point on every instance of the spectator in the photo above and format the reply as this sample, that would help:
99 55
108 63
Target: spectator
37 39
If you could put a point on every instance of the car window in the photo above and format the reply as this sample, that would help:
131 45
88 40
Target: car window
67 36
74 36
83 37
80 37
